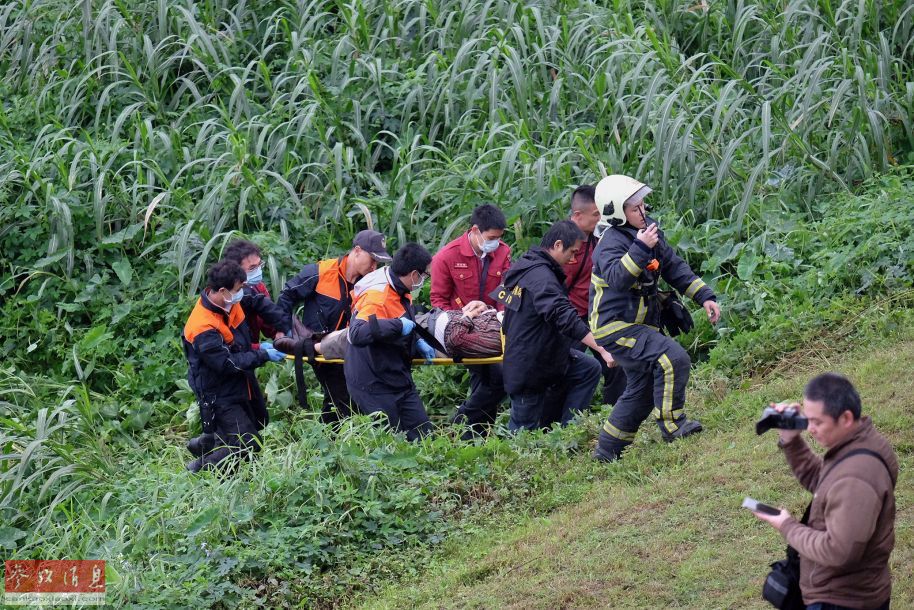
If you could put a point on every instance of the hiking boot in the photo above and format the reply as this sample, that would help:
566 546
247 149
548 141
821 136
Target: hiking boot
688 427
609 448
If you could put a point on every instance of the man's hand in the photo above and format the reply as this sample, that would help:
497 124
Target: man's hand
786 435
776 521
649 236
607 357
474 308
426 350
713 310
274 355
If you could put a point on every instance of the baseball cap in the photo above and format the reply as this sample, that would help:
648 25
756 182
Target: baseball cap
374 243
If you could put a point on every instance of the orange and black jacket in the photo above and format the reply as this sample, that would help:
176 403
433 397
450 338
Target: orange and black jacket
379 357
220 358
324 294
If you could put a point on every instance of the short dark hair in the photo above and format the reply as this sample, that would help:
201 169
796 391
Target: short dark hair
836 392
488 217
225 274
564 230
240 249
411 257
583 197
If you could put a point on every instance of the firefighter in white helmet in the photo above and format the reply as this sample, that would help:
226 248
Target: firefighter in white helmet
625 317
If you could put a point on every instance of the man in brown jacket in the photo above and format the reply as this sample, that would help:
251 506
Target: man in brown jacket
844 549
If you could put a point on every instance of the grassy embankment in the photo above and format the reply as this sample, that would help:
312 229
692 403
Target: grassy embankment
664 527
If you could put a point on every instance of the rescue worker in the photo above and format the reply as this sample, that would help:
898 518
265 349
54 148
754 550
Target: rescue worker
631 257
585 215
468 269
248 256
221 363
546 378
324 291
382 342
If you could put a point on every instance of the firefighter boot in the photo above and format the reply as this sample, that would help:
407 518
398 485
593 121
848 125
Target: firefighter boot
609 448
687 427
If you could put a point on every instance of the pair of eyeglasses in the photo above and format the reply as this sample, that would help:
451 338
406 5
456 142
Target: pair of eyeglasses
257 268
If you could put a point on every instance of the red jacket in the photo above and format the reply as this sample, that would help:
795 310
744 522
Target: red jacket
577 276
255 322
455 274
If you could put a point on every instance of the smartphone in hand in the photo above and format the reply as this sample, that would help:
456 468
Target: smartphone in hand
758 507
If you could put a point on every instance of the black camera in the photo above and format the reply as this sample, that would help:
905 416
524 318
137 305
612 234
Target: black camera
788 419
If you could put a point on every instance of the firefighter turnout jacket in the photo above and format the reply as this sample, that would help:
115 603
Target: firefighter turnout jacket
623 289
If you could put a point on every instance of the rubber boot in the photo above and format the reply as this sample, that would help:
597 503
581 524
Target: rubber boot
195 465
609 448
687 427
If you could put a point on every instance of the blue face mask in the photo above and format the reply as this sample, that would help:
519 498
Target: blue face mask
255 277
489 246
237 296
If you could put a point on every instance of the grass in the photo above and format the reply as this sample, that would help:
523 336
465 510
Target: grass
664 527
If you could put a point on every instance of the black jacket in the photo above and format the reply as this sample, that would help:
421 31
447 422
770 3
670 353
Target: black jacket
323 293
623 291
540 324
220 359
379 357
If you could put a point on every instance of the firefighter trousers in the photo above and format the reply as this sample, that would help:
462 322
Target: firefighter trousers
657 372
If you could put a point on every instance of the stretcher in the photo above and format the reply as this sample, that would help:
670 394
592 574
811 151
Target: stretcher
417 361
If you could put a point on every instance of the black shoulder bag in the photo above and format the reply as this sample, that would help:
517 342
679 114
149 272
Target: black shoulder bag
674 317
782 585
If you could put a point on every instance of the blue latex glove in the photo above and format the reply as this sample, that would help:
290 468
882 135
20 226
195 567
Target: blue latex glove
426 350
266 345
408 326
275 355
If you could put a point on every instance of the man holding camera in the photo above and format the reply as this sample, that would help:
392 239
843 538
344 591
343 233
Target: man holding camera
845 544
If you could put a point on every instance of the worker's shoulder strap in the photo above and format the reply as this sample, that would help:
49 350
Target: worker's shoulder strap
853 452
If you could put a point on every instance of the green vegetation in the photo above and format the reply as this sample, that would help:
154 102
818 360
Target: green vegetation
137 139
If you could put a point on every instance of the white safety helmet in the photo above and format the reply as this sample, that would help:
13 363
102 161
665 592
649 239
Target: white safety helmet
612 193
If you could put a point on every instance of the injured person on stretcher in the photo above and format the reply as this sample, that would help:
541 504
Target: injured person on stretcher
471 332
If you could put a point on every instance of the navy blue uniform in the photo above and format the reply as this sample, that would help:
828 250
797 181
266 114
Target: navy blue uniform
378 362
625 319
325 297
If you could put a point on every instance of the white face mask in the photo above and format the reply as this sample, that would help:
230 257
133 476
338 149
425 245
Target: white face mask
418 287
254 277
